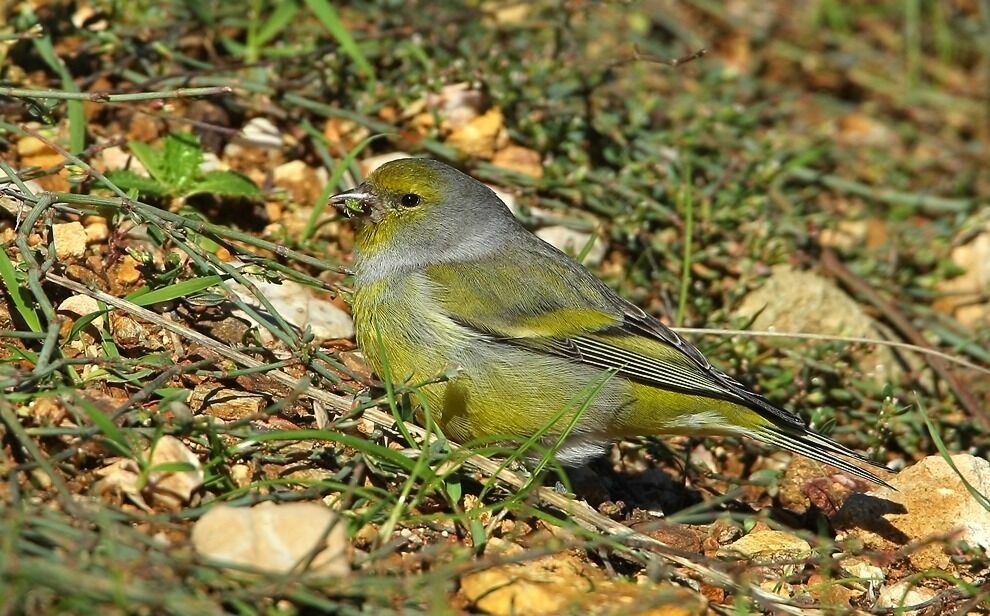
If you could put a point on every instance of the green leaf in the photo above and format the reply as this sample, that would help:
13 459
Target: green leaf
182 158
18 292
225 183
478 535
325 12
150 158
128 180
454 490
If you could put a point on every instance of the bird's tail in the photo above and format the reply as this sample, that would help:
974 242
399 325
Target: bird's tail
820 448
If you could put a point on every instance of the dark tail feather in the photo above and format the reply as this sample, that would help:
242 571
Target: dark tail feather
822 449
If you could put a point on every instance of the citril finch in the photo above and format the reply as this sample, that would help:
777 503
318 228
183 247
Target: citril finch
447 281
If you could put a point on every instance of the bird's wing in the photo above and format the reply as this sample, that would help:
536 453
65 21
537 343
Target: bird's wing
551 305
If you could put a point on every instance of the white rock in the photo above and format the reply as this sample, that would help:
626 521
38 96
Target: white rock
965 294
70 240
171 489
800 301
457 103
274 538
115 158
82 305
902 594
262 133
368 165
292 172
212 162
863 570
299 306
573 242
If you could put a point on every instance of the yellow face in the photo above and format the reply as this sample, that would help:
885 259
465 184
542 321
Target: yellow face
395 196
406 177
421 210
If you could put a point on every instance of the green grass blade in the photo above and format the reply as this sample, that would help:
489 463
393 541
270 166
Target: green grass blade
18 293
327 15
338 173
978 496
174 291
114 435
280 18
77 119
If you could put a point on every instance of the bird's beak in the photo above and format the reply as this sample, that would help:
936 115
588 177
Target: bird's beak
358 201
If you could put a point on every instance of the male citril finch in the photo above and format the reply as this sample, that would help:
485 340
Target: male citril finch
447 281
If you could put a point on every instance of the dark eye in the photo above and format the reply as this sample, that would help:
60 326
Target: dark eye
409 200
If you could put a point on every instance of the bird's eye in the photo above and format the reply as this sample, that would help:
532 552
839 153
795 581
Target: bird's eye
409 200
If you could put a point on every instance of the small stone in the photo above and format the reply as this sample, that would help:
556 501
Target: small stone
521 160
174 486
70 240
303 183
510 14
241 475
126 271
482 136
226 404
344 132
963 296
903 594
32 146
565 584
366 536
768 547
573 242
458 105
543 586
846 235
274 538
262 133
84 16
368 165
356 363
299 306
127 332
830 593
97 230
116 158
863 570
47 411
929 500
799 301
81 306
860 129
171 489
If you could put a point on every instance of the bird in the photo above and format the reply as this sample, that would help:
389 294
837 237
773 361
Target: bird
446 281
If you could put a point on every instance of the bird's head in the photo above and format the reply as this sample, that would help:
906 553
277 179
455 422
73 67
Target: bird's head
414 205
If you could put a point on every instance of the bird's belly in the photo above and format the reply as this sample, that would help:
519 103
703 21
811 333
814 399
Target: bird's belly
496 391
401 333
